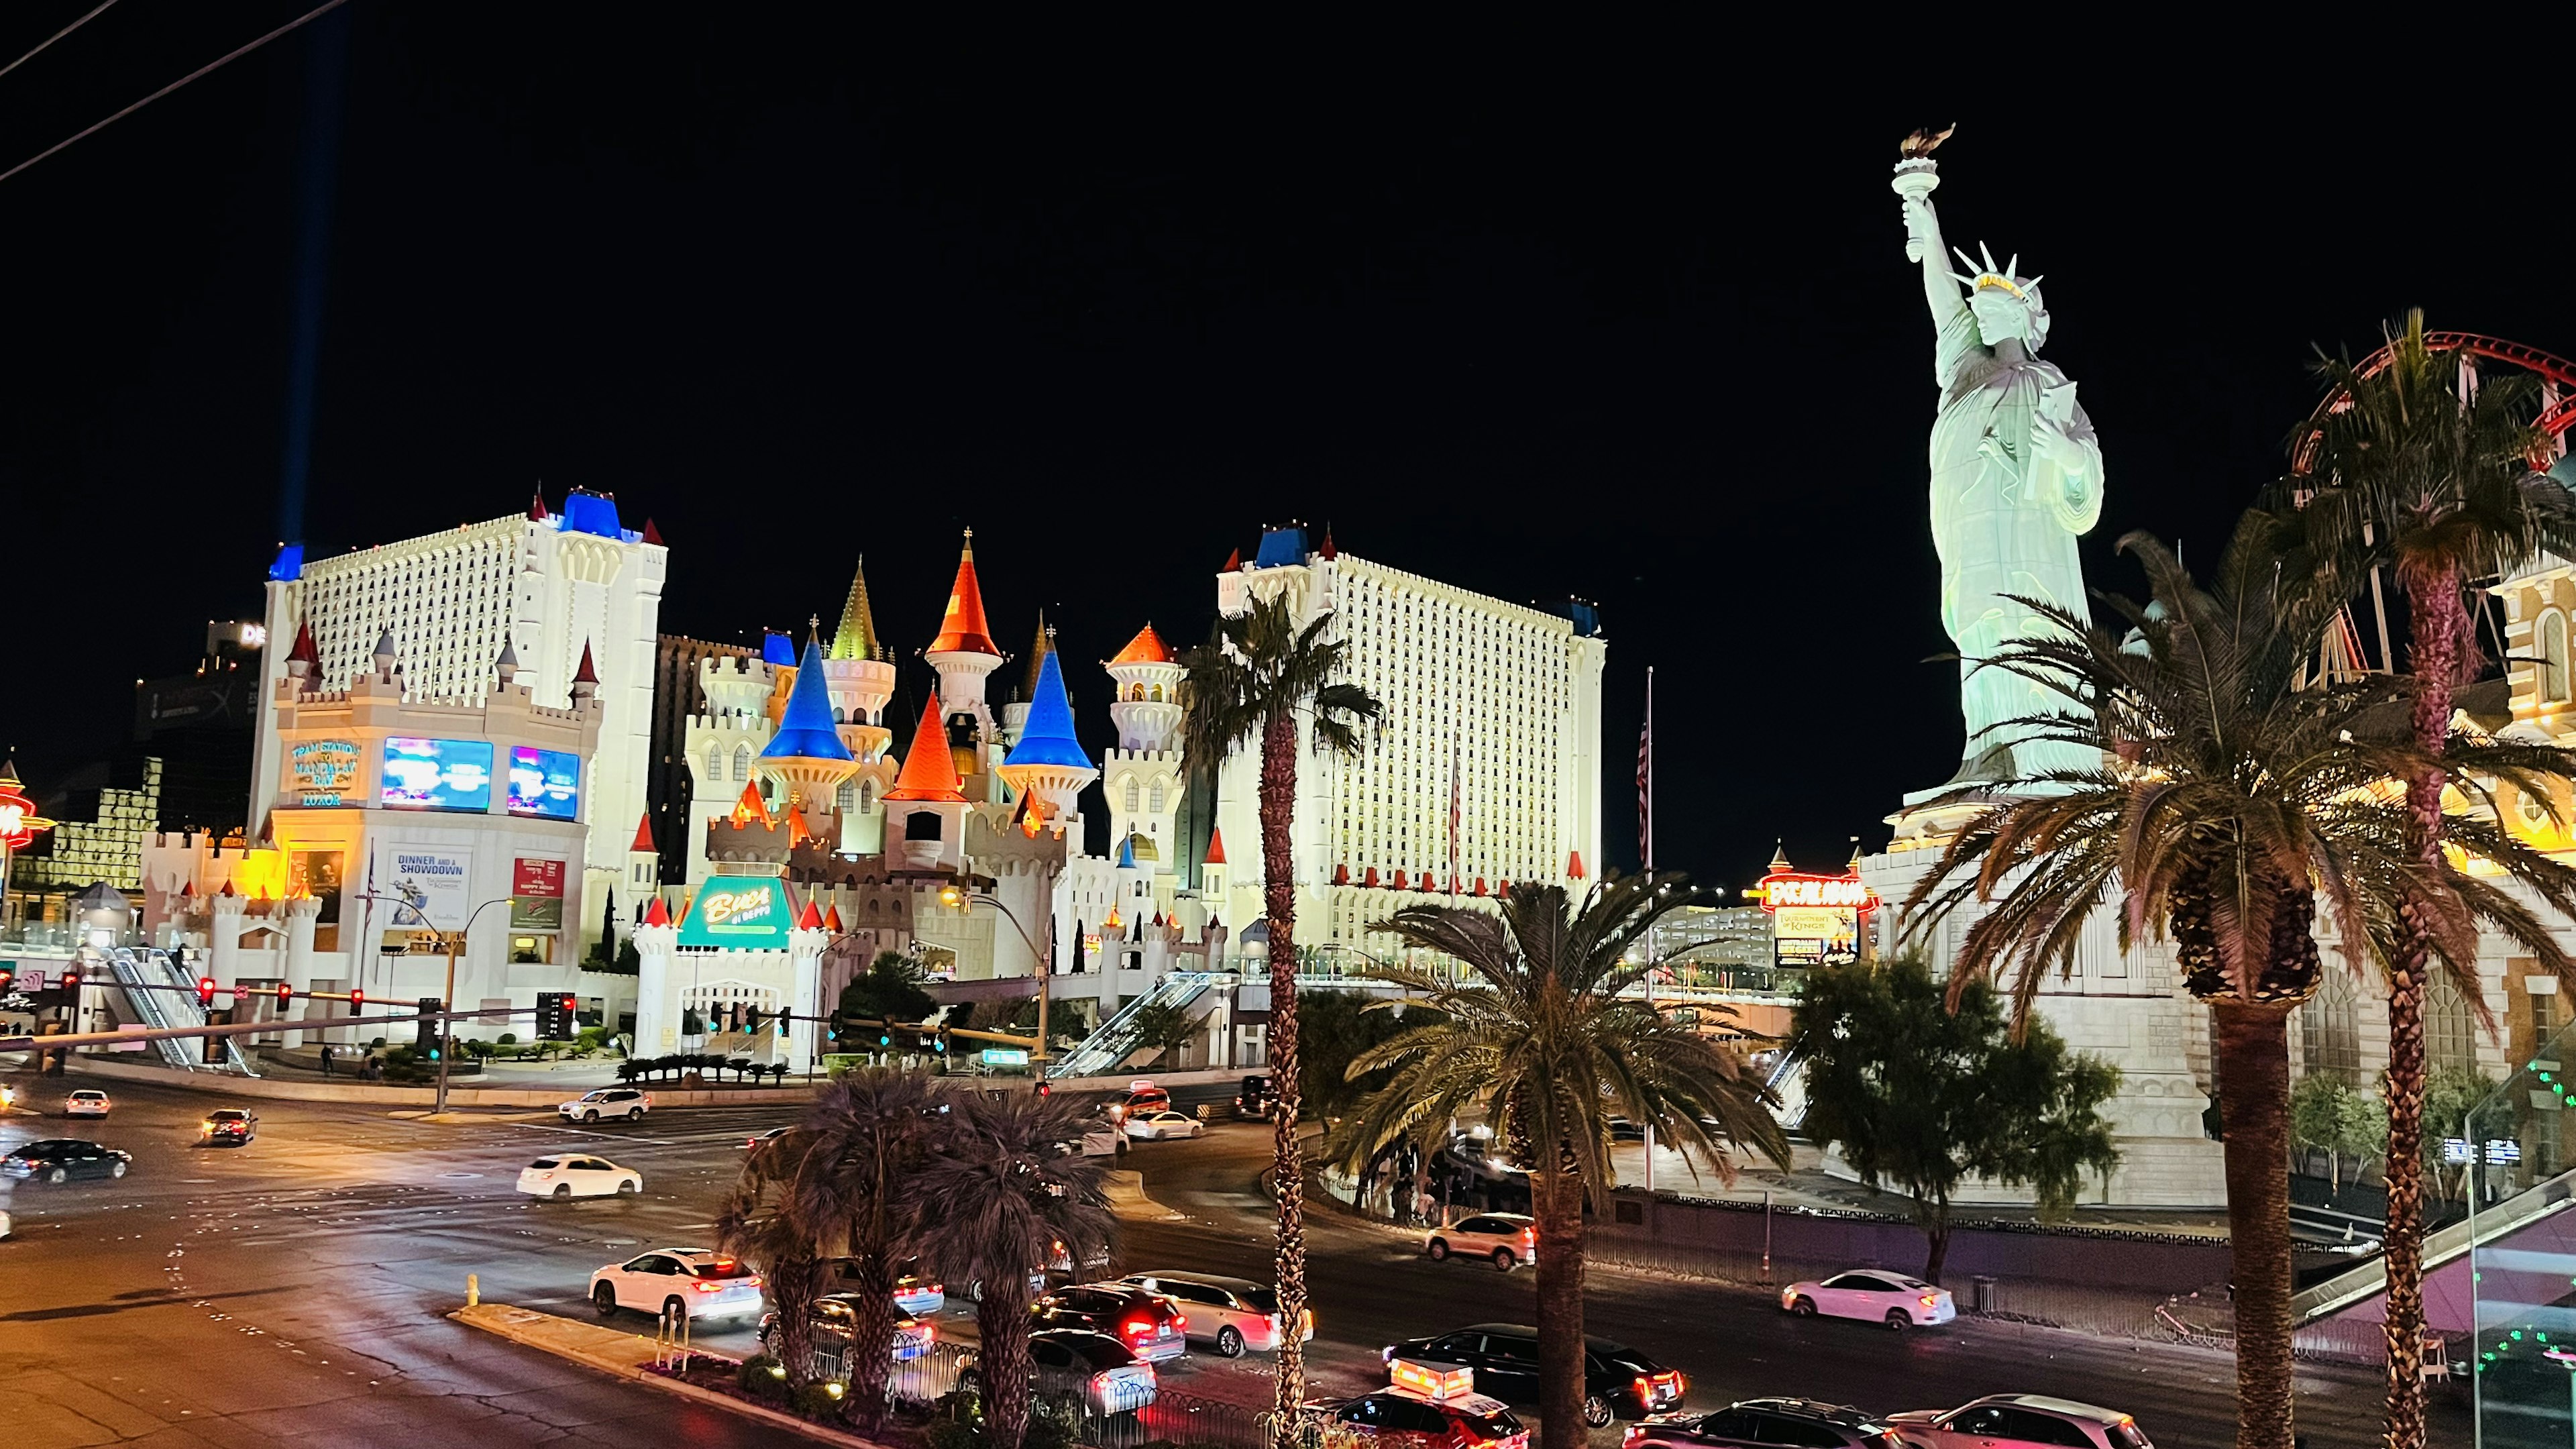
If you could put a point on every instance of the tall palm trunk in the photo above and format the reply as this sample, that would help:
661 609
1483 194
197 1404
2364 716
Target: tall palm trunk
2438 630
1557 1198
2253 1045
871 1356
1288 1169
1002 1323
794 1284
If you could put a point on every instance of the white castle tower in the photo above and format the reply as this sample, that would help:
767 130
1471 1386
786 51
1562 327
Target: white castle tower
860 681
1143 774
964 653
724 742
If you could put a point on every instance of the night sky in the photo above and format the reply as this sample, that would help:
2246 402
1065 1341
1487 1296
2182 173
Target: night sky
1537 324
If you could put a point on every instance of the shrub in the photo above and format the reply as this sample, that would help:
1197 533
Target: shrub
818 1400
509 1038
377 1044
956 1434
762 1377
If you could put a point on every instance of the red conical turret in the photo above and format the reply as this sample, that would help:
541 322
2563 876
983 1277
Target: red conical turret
644 835
963 630
929 773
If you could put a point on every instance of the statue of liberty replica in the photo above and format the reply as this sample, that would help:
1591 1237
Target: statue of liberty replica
2016 478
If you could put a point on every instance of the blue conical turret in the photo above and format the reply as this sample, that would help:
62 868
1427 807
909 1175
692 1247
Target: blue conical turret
1047 738
806 729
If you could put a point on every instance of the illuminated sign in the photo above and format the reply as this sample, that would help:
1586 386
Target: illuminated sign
743 913
545 783
437 774
1816 919
322 772
536 894
1005 1057
1438 1382
423 886
1781 888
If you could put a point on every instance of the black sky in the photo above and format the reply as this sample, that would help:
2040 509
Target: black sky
1535 324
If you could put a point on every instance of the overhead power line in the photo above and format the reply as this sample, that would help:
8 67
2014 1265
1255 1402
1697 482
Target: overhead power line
57 35
315 13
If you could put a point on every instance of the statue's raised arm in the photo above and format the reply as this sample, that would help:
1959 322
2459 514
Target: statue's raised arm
1916 176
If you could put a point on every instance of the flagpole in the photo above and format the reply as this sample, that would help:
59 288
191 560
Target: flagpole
1646 805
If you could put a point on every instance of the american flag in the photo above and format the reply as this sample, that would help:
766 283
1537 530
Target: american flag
1646 778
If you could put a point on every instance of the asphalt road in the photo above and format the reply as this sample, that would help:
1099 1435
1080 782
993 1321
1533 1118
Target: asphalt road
290 1293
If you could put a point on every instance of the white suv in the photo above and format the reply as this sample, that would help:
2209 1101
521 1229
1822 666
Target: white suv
623 1102
1232 1313
2019 1421
692 1281
1509 1239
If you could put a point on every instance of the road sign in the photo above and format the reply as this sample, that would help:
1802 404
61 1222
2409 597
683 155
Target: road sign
1005 1057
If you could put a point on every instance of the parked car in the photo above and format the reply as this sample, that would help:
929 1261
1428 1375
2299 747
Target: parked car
1477 1158
759 1140
1074 1363
1232 1314
1873 1294
576 1174
1429 1406
836 1317
2019 1421
1764 1424
227 1127
916 1294
623 1102
1147 1322
1155 1126
1258 1099
59 1159
696 1281
1618 1381
87 1102
1505 1239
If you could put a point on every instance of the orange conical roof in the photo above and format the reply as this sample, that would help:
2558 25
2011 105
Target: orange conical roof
1216 846
962 630
832 920
644 835
751 807
655 914
928 771
1146 648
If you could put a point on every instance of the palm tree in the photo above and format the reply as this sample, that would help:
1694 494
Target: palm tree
762 1221
1253 680
2229 798
1549 1047
871 1134
1007 1193
2405 471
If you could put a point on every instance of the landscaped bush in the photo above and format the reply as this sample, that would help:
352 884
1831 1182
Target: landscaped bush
509 1038
817 1400
763 1377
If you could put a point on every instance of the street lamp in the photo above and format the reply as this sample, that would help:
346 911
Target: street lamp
456 941
955 894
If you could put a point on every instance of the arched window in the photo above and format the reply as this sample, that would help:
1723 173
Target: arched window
1131 797
846 799
1155 694
2553 658
742 764
2330 1029
2450 1028
867 795
1158 797
715 763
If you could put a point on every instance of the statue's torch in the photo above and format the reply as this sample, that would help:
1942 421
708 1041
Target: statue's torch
1915 179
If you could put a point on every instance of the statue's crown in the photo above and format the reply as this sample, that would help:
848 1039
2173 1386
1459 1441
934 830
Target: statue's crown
1988 276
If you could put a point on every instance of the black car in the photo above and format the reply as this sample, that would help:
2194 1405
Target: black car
1618 1381
1258 1099
58 1159
1764 1423
1149 1324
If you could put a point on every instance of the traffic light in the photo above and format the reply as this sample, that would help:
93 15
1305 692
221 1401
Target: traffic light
426 1043
751 1018
8 979
71 980
206 993
554 1015
213 1046
1045 1090
939 1041
357 1001
285 995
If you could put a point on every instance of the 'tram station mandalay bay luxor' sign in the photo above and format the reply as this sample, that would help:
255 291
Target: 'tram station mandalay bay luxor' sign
739 913
323 772
1816 919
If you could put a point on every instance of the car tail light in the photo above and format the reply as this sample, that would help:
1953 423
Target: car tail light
1180 1321
1928 1299
703 1286
1644 1391
1137 1328
1633 1434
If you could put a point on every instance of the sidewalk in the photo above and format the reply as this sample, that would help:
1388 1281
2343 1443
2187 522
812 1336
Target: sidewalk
294 1086
629 1356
